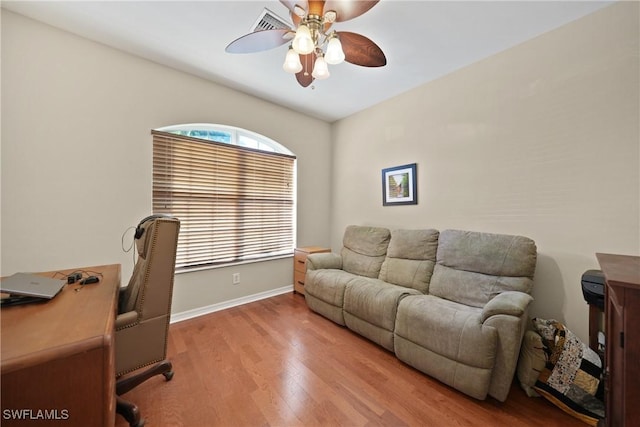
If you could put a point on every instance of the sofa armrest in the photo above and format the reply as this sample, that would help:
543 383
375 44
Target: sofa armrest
507 313
511 303
323 260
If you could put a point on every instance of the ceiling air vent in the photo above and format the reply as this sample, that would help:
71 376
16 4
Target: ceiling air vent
269 21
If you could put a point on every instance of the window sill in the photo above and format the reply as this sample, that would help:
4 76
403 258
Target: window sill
231 264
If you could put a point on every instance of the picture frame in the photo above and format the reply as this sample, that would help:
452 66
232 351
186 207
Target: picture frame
399 185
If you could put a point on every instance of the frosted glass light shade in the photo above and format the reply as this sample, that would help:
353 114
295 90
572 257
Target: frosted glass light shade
320 69
302 42
335 54
292 62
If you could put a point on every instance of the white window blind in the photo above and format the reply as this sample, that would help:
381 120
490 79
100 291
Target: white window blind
234 203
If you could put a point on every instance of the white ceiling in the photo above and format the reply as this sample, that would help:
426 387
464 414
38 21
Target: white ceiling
423 40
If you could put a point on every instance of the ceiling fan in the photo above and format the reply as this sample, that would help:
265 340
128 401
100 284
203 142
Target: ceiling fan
313 44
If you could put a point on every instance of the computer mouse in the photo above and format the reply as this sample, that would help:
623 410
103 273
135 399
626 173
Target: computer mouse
89 280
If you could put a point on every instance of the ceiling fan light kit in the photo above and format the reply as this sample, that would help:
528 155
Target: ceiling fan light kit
335 54
313 45
320 68
303 41
292 62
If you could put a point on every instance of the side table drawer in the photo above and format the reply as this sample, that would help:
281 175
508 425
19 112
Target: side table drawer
300 262
298 281
300 265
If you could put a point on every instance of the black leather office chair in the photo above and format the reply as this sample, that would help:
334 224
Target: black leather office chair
144 310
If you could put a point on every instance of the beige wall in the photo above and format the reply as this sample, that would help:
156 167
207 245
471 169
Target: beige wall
540 140
76 156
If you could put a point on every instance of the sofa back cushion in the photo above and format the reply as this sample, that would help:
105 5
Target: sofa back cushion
364 250
473 267
410 259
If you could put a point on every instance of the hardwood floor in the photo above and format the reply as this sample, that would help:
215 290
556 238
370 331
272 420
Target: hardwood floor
276 363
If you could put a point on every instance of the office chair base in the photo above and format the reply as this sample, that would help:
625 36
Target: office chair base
124 385
129 410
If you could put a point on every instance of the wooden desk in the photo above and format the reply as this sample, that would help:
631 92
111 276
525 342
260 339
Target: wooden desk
58 356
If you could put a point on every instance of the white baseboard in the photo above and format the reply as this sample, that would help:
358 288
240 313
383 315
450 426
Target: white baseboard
190 314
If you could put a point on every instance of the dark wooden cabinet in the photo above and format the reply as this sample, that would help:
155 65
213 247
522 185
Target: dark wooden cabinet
622 329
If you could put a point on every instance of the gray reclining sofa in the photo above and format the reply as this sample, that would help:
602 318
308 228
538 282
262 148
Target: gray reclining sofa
452 304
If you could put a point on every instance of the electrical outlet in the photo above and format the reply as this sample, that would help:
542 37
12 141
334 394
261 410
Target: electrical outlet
235 278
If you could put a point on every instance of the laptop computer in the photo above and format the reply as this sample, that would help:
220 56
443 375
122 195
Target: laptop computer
31 285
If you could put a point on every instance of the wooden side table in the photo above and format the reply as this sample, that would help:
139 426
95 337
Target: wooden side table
300 265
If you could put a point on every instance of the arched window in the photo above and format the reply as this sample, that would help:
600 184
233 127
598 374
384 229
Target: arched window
228 135
233 190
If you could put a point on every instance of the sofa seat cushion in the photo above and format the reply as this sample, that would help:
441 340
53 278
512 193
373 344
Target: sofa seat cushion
531 362
324 292
410 259
375 301
328 285
447 328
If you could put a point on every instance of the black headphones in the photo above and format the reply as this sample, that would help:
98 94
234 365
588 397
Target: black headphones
140 230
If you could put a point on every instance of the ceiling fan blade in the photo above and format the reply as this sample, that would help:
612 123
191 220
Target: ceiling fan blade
291 4
359 50
346 10
258 41
304 77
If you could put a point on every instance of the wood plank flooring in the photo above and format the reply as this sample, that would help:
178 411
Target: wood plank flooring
276 363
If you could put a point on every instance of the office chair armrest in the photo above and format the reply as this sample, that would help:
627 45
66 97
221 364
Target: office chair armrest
125 320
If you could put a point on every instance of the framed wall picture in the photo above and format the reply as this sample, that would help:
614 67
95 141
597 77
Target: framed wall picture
399 185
